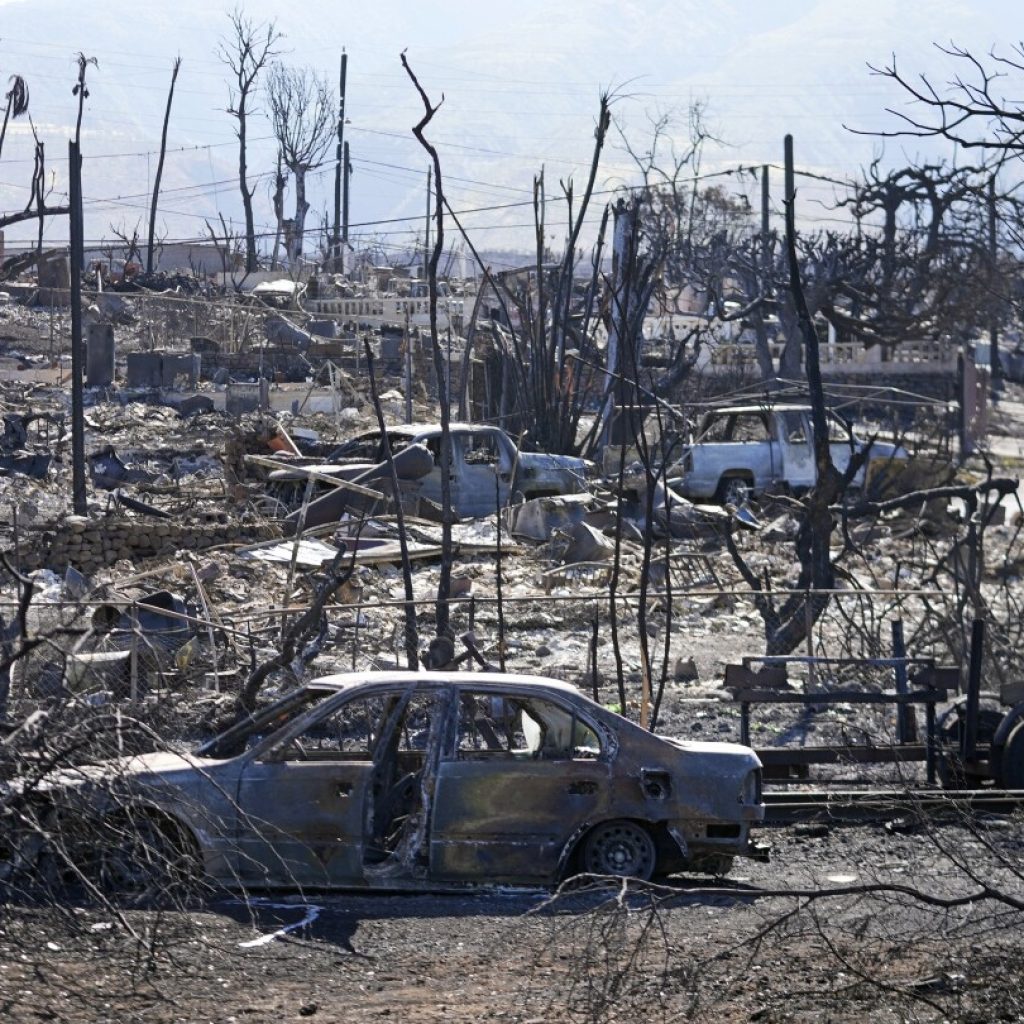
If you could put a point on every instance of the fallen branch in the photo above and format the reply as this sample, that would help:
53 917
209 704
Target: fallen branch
306 626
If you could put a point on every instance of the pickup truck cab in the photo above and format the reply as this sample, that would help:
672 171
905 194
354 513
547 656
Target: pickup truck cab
487 471
745 449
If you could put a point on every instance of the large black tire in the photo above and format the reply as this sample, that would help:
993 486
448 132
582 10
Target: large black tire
141 854
949 728
1011 762
622 848
733 490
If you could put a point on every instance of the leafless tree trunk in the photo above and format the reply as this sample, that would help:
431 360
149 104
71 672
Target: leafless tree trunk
130 242
304 627
280 180
787 626
81 91
160 167
17 104
246 52
302 113
444 584
39 186
411 635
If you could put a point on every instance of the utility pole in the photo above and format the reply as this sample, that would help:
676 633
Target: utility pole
790 178
340 168
77 355
765 203
426 236
995 366
344 211
763 349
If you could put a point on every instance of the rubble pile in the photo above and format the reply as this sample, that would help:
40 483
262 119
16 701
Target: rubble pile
219 493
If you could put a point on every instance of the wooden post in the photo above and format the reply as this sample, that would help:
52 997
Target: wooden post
969 735
408 370
77 355
355 628
344 209
340 169
906 721
133 660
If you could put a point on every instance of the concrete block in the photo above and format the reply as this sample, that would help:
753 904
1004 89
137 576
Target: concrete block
324 328
162 369
243 398
144 369
99 359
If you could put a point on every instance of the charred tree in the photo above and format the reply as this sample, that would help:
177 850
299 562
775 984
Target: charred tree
16 105
246 51
160 167
787 626
301 111
444 585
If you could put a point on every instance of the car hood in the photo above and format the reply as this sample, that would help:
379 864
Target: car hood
161 762
164 764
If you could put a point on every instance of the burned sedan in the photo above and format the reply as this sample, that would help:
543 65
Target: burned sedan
432 780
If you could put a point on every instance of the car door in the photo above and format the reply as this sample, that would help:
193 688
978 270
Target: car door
793 431
840 443
520 778
302 799
484 472
429 486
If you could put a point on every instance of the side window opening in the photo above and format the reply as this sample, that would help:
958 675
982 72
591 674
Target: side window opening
751 427
838 432
793 428
348 734
522 729
481 450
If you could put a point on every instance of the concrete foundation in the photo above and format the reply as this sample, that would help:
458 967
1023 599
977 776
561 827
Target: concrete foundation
162 369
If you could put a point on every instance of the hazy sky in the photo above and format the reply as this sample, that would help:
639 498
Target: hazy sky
521 83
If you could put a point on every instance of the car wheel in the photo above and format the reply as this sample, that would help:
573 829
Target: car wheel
141 854
1011 773
621 848
949 727
733 490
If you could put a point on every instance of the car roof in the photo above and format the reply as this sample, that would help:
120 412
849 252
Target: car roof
429 429
482 680
764 407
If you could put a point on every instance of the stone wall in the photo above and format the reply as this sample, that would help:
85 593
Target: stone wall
93 544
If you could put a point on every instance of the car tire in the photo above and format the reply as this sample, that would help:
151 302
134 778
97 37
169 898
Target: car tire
733 490
621 848
143 855
949 726
1011 767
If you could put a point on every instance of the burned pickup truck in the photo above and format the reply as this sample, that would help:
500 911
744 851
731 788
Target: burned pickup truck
411 781
742 450
488 470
